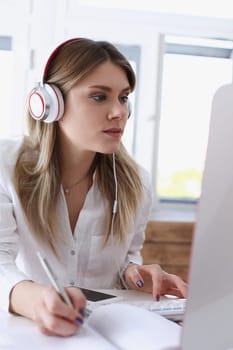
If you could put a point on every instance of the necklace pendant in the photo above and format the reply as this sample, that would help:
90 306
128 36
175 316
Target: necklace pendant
68 189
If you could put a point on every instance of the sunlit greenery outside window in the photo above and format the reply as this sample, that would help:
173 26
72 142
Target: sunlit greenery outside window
193 69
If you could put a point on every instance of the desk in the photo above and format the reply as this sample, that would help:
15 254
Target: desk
112 321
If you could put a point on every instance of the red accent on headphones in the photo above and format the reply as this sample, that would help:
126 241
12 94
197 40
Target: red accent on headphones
36 112
53 54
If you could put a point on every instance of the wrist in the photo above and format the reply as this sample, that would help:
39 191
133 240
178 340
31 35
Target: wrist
126 275
23 297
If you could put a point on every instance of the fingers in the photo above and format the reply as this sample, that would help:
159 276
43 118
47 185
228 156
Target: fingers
133 276
78 300
152 279
50 324
157 278
147 278
175 285
175 292
54 317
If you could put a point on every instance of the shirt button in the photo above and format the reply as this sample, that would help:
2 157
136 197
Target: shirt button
72 252
72 283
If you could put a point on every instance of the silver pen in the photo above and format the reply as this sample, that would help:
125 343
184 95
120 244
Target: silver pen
61 290
53 279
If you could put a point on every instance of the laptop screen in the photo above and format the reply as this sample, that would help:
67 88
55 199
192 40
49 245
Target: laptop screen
208 320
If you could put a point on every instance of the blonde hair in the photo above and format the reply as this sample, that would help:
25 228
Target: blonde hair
37 174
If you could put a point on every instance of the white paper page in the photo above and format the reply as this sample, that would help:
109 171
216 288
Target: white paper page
133 328
18 333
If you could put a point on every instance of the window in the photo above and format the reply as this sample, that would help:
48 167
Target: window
6 73
193 69
132 53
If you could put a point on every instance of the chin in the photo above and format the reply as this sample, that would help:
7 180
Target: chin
109 150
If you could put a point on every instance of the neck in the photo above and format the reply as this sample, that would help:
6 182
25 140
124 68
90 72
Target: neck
75 165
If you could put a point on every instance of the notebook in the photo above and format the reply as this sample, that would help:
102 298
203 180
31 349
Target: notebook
113 326
208 318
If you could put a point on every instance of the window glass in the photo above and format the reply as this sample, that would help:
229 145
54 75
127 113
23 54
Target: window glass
188 86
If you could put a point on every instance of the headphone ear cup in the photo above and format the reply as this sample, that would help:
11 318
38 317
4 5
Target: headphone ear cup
129 108
46 103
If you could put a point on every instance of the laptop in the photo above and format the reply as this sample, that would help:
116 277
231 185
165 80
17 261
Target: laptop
208 318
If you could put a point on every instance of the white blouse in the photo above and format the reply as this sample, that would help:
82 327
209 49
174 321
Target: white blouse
83 261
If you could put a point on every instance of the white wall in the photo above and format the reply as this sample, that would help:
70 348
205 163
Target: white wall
14 22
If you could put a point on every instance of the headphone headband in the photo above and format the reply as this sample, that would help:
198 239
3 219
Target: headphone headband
53 54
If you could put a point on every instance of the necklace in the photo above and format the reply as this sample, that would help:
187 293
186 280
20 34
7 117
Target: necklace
69 188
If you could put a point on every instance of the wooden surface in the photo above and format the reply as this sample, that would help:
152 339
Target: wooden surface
169 245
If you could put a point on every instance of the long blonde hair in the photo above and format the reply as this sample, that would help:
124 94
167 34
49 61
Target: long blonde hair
37 174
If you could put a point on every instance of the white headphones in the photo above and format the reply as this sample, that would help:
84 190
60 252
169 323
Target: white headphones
45 101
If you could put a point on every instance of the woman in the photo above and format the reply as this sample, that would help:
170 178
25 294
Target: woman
70 190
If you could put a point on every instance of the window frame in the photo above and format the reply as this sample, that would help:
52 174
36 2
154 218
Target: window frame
173 46
133 53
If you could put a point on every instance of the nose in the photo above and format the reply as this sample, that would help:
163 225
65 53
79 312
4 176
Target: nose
118 111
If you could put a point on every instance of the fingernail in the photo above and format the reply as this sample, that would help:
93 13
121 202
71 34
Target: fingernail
157 297
78 321
82 311
139 283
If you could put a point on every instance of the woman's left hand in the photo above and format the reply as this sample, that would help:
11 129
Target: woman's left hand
152 279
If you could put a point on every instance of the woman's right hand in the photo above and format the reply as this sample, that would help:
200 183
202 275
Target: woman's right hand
54 317
45 306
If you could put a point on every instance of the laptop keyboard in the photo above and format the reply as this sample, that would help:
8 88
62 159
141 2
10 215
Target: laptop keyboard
172 309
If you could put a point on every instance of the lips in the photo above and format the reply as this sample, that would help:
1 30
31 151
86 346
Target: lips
113 131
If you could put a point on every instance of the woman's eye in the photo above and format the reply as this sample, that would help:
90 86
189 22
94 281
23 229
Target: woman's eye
99 97
124 99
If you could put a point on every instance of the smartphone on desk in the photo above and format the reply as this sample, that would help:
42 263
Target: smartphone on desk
97 298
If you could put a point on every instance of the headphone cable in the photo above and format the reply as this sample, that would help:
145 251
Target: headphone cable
114 211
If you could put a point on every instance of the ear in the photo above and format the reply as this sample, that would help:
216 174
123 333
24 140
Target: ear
129 108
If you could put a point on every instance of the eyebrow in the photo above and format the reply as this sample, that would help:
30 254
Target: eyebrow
107 88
